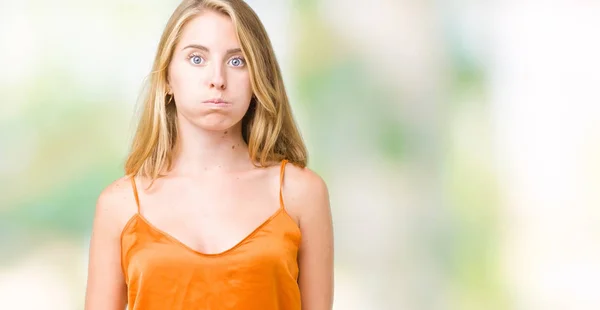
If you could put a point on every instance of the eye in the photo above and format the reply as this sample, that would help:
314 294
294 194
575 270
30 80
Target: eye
195 59
237 61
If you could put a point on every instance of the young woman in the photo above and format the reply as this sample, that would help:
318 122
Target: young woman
217 209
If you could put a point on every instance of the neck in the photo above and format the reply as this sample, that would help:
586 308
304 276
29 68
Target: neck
198 151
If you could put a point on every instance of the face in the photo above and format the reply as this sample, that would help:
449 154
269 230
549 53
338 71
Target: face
208 75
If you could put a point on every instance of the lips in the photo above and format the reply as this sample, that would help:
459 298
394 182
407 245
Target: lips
216 101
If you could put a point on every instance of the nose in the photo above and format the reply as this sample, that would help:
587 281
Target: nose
217 80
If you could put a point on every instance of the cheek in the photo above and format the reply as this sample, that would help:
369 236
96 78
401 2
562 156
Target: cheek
241 83
182 79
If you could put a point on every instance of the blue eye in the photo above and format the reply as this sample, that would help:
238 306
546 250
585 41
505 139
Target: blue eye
237 62
196 60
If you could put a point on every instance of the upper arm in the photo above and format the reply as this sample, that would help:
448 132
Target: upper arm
308 196
106 288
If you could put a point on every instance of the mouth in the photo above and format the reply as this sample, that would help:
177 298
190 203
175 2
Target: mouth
216 102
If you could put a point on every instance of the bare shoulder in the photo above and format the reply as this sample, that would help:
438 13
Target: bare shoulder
308 197
303 182
106 288
116 203
305 192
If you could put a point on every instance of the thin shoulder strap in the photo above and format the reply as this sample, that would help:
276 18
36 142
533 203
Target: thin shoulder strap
135 193
281 173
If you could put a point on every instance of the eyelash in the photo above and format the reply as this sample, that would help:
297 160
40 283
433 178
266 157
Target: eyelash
192 56
241 59
237 57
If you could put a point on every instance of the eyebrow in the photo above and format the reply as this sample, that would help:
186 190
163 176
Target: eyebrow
204 48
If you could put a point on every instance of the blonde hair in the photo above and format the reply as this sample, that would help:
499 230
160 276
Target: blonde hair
268 127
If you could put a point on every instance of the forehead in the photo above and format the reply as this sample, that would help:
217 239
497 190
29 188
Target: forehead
211 29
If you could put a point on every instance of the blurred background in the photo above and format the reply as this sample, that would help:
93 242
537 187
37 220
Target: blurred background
460 141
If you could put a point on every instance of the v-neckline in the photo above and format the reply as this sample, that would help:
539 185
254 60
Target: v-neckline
200 253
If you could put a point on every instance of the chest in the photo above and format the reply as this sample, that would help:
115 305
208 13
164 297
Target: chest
211 215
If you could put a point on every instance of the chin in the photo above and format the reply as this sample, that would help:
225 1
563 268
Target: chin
213 121
216 125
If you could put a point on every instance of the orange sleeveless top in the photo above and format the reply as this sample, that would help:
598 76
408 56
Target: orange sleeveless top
259 272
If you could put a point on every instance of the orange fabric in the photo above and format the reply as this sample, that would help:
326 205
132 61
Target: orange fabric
260 272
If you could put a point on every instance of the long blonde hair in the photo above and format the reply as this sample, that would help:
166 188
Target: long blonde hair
268 127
